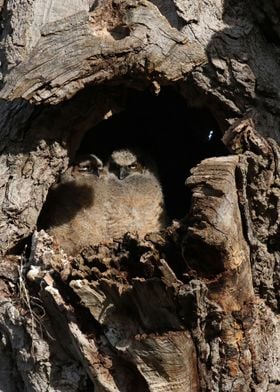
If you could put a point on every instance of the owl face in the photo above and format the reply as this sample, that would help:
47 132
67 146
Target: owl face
124 163
88 164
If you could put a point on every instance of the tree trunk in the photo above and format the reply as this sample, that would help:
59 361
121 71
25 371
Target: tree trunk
195 307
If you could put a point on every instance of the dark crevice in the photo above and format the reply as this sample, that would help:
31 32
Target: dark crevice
23 246
119 32
176 135
203 258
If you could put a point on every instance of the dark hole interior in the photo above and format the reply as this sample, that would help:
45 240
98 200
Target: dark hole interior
177 136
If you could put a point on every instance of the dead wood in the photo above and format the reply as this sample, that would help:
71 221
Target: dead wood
195 307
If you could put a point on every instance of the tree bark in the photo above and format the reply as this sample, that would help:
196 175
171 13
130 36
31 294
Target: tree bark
193 308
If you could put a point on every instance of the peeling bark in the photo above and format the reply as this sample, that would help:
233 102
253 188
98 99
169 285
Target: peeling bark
195 307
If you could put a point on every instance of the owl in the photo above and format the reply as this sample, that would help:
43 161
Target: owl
71 213
97 203
135 203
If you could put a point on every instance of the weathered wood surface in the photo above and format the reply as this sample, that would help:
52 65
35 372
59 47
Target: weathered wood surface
195 308
67 46
183 319
87 48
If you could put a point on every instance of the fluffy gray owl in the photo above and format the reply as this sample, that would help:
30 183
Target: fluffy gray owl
135 200
72 210
93 204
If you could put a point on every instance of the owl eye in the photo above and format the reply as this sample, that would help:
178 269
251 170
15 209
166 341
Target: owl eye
84 168
133 167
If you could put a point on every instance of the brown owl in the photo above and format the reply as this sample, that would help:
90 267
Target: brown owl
94 204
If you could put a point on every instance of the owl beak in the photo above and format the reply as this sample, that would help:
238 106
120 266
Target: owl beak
123 173
99 170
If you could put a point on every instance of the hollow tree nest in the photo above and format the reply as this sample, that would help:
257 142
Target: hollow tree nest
205 238
177 137
183 309
132 298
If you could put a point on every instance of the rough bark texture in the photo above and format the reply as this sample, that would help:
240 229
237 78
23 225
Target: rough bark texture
194 308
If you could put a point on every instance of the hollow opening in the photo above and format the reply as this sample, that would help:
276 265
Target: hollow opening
177 137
